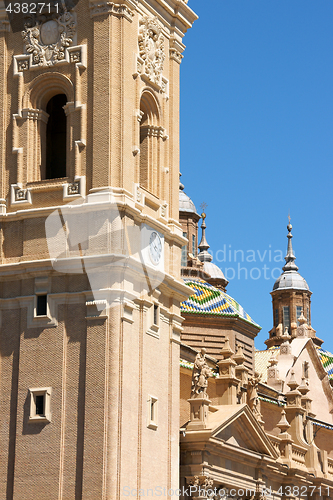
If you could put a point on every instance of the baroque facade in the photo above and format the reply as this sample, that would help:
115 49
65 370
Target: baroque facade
126 369
254 424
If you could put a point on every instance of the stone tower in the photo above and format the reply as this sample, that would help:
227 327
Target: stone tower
291 300
90 248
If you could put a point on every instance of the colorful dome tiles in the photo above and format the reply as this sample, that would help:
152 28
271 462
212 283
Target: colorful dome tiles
207 299
326 359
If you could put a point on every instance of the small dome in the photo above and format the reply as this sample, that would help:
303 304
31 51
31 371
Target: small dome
290 279
185 203
213 270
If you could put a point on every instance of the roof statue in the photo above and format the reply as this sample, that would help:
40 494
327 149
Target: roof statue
201 374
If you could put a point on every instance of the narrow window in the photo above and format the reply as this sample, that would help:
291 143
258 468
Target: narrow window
276 318
152 413
152 410
308 316
298 313
144 152
286 319
56 138
194 247
41 305
39 400
184 253
155 315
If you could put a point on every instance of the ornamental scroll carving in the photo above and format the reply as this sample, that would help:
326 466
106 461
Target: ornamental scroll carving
47 38
151 49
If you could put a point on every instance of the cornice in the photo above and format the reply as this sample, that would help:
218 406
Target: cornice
177 9
121 8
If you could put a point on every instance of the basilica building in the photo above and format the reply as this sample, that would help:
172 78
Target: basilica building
254 424
126 368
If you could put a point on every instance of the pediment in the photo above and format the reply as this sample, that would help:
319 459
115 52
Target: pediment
240 429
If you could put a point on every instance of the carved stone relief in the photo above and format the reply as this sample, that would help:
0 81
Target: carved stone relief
47 38
151 50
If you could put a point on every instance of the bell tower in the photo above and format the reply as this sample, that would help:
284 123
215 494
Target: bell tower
291 301
90 253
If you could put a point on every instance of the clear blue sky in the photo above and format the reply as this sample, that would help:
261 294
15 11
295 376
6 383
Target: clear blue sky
256 142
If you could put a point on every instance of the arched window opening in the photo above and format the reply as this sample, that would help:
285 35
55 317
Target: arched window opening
150 148
144 150
56 138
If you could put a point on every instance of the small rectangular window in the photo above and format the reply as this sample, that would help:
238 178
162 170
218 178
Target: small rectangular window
276 317
184 253
41 309
286 319
40 404
39 400
298 313
152 412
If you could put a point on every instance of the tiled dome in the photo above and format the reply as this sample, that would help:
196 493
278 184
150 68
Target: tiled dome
207 299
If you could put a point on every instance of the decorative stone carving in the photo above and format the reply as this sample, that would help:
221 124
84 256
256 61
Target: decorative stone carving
152 50
75 56
201 374
20 195
73 188
48 39
76 188
204 481
175 55
138 195
35 114
23 64
285 348
302 329
252 394
163 211
100 8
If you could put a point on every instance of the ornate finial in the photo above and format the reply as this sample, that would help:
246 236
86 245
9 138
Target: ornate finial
283 423
290 257
204 256
203 207
293 384
289 218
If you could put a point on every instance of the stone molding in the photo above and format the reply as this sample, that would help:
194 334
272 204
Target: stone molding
34 114
76 189
72 55
20 195
176 55
124 9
